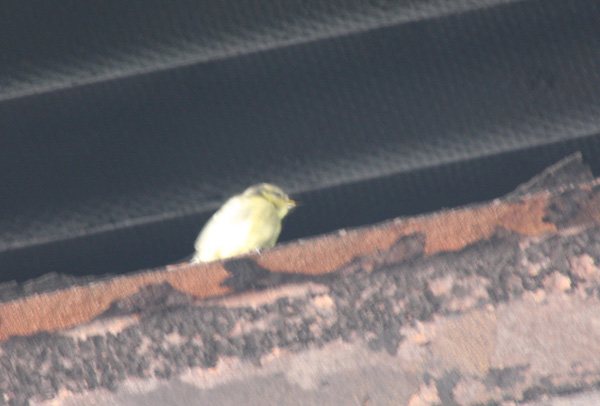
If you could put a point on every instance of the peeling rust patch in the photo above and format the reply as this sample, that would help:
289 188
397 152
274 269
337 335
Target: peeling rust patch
67 308
447 231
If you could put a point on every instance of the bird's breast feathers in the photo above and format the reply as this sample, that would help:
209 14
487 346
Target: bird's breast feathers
238 227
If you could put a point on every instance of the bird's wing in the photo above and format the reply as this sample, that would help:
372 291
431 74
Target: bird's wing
226 233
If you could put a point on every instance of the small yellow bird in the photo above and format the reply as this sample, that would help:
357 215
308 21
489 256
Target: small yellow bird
246 222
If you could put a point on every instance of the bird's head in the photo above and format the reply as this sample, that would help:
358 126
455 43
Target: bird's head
275 195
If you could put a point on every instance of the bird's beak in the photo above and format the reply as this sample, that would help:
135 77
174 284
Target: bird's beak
291 203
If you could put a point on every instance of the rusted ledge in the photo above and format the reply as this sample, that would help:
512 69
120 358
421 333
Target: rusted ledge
481 305
446 231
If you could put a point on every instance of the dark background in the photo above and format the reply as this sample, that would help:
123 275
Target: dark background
123 125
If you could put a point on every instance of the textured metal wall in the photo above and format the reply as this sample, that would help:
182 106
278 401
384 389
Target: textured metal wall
124 124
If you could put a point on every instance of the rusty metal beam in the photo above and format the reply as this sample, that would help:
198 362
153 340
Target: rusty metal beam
490 304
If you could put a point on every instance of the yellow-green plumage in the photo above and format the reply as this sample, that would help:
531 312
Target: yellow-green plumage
246 222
